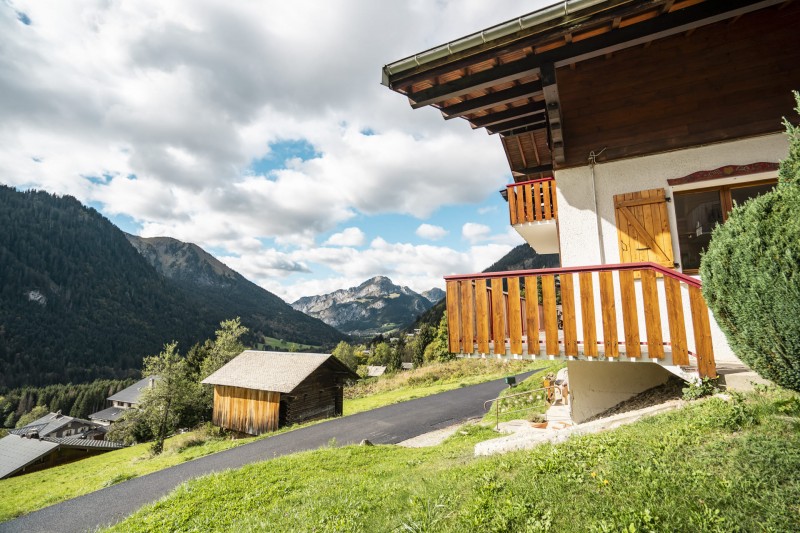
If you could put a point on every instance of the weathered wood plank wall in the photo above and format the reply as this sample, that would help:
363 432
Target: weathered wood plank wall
246 410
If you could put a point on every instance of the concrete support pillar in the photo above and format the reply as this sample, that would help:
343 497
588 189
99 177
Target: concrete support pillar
596 386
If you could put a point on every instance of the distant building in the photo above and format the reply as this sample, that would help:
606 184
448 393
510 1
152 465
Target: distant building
374 371
122 401
258 392
51 440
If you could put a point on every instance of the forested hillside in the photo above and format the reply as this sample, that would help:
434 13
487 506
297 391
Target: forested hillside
223 292
78 302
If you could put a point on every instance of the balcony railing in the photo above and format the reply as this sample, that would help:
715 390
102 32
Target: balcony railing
532 201
533 313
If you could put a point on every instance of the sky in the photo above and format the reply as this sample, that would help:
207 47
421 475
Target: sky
259 131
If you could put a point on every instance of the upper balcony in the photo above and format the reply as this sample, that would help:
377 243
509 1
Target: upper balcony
533 213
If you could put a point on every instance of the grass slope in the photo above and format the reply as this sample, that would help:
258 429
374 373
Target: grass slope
27 493
714 466
430 379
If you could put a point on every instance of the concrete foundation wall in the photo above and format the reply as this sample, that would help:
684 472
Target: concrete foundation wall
597 386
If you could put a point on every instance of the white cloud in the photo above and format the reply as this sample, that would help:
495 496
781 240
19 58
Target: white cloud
156 110
474 232
431 232
347 237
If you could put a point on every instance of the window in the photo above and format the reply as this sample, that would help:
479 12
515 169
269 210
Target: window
697 212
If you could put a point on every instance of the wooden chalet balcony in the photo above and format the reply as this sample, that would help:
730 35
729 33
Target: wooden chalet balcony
533 213
629 312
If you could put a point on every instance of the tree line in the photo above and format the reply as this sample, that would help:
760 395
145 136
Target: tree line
427 345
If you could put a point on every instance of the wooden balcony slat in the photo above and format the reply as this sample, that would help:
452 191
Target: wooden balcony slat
630 317
512 205
677 326
454 328
554 201
520 194
652 315
482 315
550 314
537 201
610 340
532 314
529 203
548 214
702 334
514 316
569 313
498 318
467 320
587 313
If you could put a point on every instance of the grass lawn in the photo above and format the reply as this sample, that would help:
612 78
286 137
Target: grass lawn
713 466
427 380
280 344
23 494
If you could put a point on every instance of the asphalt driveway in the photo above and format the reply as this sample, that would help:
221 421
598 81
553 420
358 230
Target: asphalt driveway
386 425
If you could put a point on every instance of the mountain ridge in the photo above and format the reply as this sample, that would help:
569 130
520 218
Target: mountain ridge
375 306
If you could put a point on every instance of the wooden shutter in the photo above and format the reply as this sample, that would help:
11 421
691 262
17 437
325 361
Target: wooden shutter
643 227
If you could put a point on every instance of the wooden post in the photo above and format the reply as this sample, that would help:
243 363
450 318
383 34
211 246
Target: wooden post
702 334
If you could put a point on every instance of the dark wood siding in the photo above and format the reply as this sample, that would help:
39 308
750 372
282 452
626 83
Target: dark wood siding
318 396
723 81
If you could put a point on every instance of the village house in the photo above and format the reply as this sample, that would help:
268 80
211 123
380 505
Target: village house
49 441
125 399
258 392
631 127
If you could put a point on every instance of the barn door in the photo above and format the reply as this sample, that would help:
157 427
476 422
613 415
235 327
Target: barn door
643 227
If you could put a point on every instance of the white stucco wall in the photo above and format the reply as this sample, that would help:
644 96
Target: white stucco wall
579 240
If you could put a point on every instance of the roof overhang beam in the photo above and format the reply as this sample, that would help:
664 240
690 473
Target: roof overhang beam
474 82
490 100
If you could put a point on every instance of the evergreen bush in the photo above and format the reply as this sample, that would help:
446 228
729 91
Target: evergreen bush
751 275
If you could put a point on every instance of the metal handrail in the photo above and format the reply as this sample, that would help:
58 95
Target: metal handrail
517 184
693 282
499 398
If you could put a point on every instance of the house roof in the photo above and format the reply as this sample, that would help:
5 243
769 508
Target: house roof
273 371
132 393
110 414
374 371
50 423
18 452
503 78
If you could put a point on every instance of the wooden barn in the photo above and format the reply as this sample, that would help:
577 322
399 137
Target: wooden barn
258 392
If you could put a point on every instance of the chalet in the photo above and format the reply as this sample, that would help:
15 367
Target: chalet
258 392
630 127
49 441
122 401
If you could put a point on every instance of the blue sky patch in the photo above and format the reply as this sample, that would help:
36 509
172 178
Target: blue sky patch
281 151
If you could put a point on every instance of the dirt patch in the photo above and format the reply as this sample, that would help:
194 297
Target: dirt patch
671 390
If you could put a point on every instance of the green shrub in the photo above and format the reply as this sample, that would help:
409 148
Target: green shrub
751 276
706 387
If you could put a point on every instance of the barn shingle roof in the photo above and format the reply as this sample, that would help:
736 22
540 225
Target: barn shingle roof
132 393
18 452
271 371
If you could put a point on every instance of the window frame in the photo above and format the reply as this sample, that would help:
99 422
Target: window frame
726 202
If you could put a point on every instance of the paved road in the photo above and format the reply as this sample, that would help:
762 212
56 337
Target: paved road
386 425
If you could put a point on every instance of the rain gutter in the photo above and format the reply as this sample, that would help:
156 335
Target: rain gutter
541 16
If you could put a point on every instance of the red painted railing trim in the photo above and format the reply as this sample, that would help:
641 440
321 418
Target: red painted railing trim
510 185
692 282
